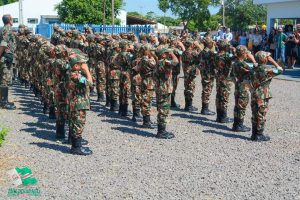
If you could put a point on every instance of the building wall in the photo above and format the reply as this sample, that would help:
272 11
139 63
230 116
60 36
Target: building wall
271 1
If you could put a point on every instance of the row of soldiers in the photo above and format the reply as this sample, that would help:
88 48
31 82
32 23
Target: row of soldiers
122 66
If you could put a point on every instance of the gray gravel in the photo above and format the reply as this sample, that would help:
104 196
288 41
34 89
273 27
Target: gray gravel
205 160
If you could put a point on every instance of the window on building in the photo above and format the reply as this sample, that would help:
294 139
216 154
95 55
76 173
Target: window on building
32 20
15 20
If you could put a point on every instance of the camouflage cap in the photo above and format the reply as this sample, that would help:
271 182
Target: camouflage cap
90 37
163 50
223 44
123 43
146 47
76 58
142 35
55 27
62 50
114 44
260 56
76 33
241 49
189 42
22 26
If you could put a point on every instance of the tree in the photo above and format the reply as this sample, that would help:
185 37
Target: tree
135 14
151 15
86 11
168 21
189 11
242 13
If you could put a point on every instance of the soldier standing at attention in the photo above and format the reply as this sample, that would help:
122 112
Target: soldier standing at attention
260 94
80 81
207 69
242 74
7 49
164 88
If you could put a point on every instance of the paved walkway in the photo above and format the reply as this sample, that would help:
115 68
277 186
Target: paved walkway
290 75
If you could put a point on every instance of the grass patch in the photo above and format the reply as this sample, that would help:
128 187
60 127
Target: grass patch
3 133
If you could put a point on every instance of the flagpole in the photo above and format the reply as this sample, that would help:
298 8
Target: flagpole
223 4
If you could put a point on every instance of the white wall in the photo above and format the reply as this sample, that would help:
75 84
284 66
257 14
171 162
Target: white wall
123 17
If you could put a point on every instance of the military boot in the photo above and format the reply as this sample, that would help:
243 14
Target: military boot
189 106
136 114
173 102
162 133
121 109
60 131
147 122
77 148
205 110
4 99
222 117
238 126
107 104
52 112
125 110
258 135
45 108
114 105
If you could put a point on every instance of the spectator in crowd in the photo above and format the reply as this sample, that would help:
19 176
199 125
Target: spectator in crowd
280 39
250 40
228 35
271 42
292 50
221 33
257 41
264 45
243 39
297 35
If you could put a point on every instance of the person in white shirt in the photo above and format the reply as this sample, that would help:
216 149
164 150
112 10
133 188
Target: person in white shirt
257 41
228 35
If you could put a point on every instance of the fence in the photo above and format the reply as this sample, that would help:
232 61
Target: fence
47 29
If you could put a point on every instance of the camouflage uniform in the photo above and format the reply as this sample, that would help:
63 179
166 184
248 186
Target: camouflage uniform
224 80
207 69
261 94
78 100
8 41
100 70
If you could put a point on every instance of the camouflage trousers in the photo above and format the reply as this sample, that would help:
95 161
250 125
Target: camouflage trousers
114 84
5 75
147 90
189 81
125 86
175 80
163 107
107 84
136 91
242 91
77 121
259 109
100 77
207 86
223 88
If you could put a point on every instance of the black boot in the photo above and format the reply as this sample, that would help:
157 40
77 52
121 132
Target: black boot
60 131
4 99
222 117
114 105
107 104
173 102
162 133
26 84
238 126
125 110
77 148
101 97
45 108
121 107
205 110
52 112
147 122
258 135
136 114
69 141
189 106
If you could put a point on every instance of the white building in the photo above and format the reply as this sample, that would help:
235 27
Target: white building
280 9
39 11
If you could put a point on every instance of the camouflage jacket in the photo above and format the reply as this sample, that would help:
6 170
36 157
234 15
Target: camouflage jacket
224 66
207 60
163 75
262 76
242 71
7 39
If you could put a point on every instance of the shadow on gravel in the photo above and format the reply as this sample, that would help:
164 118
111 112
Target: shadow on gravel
42 134
229 135
134 131
56 147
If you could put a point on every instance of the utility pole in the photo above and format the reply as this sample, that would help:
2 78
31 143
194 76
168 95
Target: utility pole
113 14
21 12
223 4
104 16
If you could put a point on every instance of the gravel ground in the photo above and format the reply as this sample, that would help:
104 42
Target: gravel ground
205 160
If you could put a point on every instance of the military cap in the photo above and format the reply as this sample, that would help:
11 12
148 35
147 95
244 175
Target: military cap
163 50
62 50
76 58
76 33
241 49
90 37
123 43
223 44
114 45
27 31
22 26
146 47
142 35
189 42
260 56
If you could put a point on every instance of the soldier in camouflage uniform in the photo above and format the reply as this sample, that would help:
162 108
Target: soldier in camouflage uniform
260 93
207 69
80 81
189 64
242 74
164 88
147 69
7 49
224 80
55 37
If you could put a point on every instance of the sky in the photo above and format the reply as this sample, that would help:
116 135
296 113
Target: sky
144 6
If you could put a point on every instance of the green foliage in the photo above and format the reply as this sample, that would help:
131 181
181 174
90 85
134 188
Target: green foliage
87 11
242 13
213 22
135 14
4 2
3 132
192 12
168 21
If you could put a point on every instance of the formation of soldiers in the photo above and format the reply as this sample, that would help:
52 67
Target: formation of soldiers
123 66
